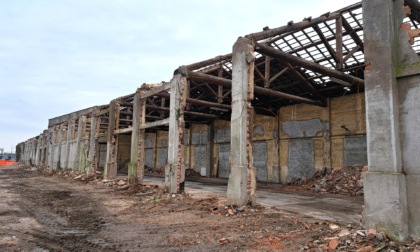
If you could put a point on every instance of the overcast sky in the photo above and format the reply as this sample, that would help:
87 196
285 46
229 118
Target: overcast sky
60 56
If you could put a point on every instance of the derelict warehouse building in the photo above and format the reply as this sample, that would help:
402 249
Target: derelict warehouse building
336 90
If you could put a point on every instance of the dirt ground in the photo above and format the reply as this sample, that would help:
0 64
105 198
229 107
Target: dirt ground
42 210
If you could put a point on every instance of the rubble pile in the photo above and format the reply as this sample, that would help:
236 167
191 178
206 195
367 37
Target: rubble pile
155 171
346 181
190 172
160 171
97 179
354 239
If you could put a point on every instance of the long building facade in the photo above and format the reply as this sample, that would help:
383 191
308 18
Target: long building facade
285 103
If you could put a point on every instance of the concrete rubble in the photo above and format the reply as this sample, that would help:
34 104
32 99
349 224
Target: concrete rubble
347 181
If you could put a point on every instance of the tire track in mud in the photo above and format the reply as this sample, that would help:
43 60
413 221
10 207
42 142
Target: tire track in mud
66 220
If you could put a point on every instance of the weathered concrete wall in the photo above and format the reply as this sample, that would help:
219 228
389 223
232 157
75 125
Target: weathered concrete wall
123 155
348 131
150 150
198 149
102 155
161 148
221 149
312 137
265 148
304 131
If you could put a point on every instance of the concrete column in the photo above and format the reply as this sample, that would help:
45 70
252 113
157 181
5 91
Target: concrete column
242 178
51 149
44 146
36 154
40 149
385 182
94 130
135 143
70 126
59 163
175 170
25 153
110 171
77 153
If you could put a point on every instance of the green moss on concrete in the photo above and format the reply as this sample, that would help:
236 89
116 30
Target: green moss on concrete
132 173
392 231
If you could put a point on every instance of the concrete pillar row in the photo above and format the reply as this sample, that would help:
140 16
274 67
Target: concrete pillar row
242 178
392 88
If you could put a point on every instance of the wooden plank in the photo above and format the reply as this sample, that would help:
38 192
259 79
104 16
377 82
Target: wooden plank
267 71
102 112
220 88
210 69
165 86
211 89
155 124
353 34
122 131
201 102
306 83
339 42
259 74
277 75
209 62
354 50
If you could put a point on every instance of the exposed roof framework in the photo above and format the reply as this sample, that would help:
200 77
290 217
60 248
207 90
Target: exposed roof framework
307 62
303 62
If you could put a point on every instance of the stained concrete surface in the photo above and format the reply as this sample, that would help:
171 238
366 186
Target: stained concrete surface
355 151
337 208
301 160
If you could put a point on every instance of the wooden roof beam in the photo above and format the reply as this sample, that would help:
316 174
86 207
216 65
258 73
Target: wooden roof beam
187 113
209 62
326 44
201 102
306 83
353 34
285 57
259 90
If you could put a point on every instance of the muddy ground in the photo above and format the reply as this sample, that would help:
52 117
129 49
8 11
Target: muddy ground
47 211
